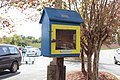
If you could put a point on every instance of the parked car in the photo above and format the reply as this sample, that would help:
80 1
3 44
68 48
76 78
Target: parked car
26 48
30 54
33 52
10 57
117 56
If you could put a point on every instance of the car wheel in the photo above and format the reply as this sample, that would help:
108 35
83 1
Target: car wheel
14 67
115 61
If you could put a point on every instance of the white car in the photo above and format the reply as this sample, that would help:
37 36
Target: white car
117 56
26 48
30 54
33 52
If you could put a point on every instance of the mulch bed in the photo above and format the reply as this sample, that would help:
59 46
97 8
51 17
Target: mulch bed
79 76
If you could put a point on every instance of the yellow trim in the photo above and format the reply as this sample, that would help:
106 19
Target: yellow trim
65 27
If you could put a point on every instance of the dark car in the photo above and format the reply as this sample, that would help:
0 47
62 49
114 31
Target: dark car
10 58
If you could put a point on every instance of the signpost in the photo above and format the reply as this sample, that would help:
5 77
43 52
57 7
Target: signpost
60 38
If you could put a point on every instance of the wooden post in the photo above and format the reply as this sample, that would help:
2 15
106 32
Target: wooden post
56 69
60 73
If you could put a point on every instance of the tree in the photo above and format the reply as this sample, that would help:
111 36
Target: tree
16 40
27 8
118 31
6 40
1 40
100 23
118 37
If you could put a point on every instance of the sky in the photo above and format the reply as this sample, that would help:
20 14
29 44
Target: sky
27 28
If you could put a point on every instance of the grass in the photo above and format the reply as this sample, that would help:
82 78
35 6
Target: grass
37 45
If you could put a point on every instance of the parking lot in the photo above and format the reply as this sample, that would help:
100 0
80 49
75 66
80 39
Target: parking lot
38 70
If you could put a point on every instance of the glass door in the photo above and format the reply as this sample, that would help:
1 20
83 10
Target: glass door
65 39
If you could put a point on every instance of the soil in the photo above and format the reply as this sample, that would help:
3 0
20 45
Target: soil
79 76
102 75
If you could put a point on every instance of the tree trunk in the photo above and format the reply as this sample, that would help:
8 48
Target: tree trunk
89 66
83 63
96 63
58 4
69 4
118 37
95 66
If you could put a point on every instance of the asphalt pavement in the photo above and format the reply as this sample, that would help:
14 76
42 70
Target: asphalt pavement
38 70
106 62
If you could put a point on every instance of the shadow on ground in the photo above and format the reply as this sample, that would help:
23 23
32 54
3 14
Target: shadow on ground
7 74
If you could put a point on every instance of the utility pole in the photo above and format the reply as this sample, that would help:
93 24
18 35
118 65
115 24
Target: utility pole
56 69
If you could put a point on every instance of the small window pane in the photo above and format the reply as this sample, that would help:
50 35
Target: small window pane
13 50
65 39
3 50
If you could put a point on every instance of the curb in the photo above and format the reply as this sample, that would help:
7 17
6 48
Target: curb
116 76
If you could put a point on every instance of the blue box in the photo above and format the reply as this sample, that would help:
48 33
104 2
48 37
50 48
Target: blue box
60 33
